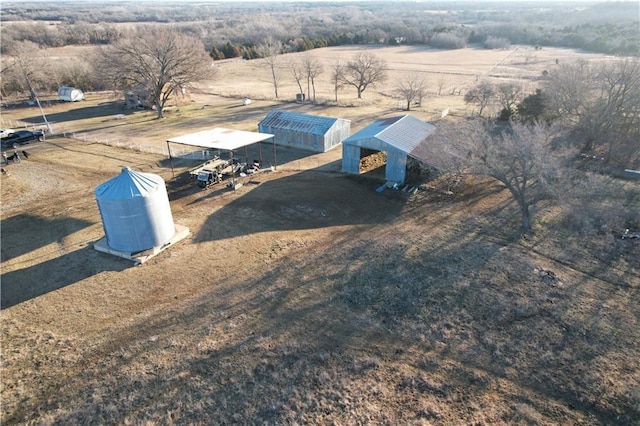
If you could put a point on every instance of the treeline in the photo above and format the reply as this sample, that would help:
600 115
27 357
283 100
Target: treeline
598 102
233 30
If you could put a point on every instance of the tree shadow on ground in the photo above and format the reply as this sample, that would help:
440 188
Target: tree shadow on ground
305 200
25 284
79 112
379 319
14 244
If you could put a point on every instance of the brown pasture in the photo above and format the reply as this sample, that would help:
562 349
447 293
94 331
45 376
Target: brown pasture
306 297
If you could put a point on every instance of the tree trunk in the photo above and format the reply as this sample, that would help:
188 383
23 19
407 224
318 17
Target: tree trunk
526 218
275 81
408 105
359 93
159 109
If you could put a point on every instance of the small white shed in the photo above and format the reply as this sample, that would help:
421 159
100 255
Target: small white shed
70 94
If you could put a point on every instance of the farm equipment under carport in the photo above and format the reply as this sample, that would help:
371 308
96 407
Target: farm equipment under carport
207 177
210 172
216 170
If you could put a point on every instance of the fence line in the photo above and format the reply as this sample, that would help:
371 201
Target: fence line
176 151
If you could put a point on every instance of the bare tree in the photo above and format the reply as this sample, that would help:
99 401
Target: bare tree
337 69
412 89
621 81
297 70
163 62
567 90
480 95
28 66
313 68
441 84
364 70
25 67
269 50
519 156
509 94
602 103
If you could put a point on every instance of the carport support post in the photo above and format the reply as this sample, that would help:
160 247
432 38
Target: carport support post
233 172
170 159
275 160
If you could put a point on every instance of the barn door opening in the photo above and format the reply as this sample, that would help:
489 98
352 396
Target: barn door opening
373 163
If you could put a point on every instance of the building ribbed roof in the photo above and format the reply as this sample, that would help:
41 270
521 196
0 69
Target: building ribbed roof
405 133
295 121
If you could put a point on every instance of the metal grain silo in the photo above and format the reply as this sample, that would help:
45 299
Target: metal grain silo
135 211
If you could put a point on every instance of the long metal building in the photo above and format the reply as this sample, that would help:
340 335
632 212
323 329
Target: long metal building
309 132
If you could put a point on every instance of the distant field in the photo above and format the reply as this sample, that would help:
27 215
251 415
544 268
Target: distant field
449 74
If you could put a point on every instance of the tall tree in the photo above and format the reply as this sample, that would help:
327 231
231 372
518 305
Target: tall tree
533 109
26 67
364 70
412 89
337 69
269 49
313 68
161 61
297 70
509 94
480 95
518 156
601 102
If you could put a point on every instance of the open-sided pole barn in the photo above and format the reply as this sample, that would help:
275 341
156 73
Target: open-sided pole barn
221 139
400 137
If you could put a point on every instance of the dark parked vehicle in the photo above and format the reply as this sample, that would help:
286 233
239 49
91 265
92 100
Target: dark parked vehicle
21 137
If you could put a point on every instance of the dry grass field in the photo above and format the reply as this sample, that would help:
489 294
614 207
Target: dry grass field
306 297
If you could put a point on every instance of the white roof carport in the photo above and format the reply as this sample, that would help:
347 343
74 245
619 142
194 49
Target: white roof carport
220 138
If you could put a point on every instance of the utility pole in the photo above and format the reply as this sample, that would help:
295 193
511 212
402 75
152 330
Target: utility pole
44 116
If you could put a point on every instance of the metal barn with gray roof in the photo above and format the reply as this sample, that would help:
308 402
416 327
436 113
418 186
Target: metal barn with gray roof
400 137
309 132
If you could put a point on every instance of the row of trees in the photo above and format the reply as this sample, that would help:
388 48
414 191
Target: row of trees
611 29
362 71
599 102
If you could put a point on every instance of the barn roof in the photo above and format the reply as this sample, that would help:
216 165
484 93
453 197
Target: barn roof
221 138
405 133
305 123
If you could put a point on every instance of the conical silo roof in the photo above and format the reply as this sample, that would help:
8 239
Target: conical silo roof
129 184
